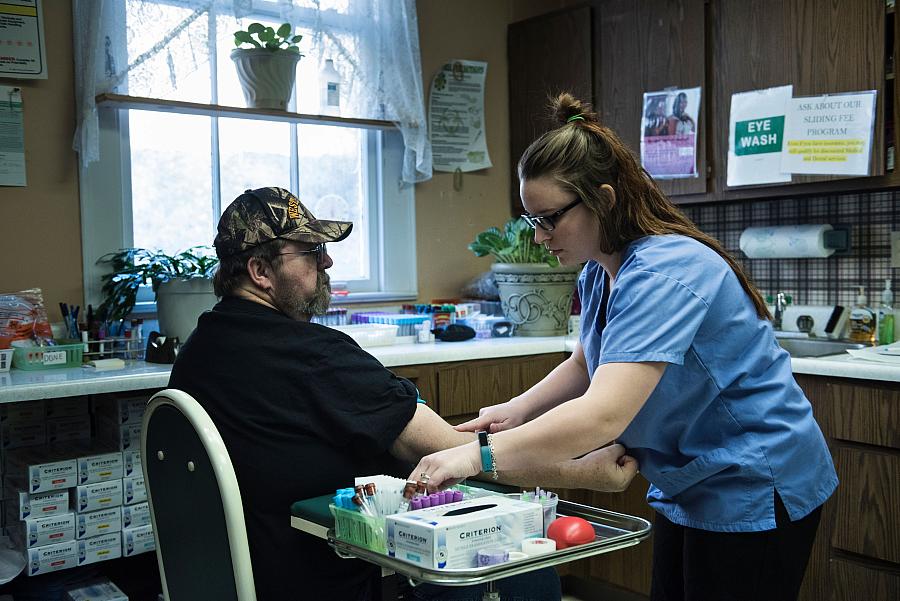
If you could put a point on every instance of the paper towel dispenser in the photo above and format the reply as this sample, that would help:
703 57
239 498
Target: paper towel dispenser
795 241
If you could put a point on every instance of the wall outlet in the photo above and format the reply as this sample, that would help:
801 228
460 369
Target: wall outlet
895 249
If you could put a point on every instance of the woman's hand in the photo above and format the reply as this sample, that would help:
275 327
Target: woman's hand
495 418
608 469
448 467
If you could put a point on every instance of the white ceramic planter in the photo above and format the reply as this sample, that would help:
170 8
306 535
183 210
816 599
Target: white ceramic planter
267 78
536 297
179 304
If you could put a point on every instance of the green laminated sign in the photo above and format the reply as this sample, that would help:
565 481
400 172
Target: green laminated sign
758 136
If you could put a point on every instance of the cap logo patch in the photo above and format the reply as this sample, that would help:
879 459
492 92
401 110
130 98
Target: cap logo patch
293 208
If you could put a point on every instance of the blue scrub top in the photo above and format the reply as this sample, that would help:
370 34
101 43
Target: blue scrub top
727 424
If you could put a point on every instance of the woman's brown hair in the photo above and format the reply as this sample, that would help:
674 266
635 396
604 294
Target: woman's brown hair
582 155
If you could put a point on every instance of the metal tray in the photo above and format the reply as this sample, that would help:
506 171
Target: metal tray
612 531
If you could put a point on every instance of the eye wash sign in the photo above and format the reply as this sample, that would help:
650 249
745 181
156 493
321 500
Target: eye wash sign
756 136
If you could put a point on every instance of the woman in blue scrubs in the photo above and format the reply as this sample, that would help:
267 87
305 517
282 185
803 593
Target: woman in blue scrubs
677 360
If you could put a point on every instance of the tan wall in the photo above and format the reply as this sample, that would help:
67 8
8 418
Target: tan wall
40 236
40 244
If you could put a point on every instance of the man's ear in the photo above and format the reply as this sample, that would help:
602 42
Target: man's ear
260 273
610 193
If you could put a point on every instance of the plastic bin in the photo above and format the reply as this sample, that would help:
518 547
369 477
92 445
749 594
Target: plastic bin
48 357
6 357
359 529
370 334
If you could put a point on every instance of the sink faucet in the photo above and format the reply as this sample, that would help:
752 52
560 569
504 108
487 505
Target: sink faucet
780 303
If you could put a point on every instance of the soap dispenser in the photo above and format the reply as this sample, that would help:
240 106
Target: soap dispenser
329 90
886 315
862 319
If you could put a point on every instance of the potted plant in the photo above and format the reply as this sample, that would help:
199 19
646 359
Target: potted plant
535 291
267 66
181 282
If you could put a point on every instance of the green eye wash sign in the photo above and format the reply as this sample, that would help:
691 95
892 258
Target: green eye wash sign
758 136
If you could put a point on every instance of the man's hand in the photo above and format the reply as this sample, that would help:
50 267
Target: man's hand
607 470
495 418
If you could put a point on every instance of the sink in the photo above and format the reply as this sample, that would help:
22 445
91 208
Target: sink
816 347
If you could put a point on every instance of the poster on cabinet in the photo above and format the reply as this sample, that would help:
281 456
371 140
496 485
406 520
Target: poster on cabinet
12 138
756 136
22 52
669 133
456 117
830 134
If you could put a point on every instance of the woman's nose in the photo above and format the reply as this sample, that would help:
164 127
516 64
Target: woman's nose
540 234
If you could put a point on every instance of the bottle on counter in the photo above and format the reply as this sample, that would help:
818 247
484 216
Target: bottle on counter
886 315
862 319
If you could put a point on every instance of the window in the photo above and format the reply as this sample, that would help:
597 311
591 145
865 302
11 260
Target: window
164 177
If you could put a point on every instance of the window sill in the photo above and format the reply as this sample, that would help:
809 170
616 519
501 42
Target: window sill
147 309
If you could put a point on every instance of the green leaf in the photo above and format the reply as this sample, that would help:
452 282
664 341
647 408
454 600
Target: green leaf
267 35
256 28
296 39
285 30
293 49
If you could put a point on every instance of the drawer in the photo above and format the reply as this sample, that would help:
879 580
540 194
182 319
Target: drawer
864 413
867 503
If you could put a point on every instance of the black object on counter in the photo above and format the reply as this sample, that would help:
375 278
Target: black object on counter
161 349
454 333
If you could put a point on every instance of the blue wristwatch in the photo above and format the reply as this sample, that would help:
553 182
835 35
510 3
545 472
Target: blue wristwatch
487 459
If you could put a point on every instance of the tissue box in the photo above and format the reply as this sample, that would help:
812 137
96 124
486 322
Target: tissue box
450 536
100 495
138 540
95 523
135 490
133 465
51 558
29 471
99 548
44 530
51 503
136 515
100 468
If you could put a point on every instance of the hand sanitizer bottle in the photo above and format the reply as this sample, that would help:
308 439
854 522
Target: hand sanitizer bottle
862 319
886 315
329 90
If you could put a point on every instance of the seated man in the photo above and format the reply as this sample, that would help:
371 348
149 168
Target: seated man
302 408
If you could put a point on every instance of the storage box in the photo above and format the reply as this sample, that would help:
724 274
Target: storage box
68 406
100 468
136 515
72 428
450 536
51 503
44 530
48 357
28 470
27 411
138 540
370 334
17 434
133 466
122 437
121 410
99 548
135 490
96 523
100 495
51 558
99 591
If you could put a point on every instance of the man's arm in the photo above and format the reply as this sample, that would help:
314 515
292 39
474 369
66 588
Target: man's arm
607 469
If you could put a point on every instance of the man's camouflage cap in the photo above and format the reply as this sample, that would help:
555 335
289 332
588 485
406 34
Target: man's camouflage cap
258 216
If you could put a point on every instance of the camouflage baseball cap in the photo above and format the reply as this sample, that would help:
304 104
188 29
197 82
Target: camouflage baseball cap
258 216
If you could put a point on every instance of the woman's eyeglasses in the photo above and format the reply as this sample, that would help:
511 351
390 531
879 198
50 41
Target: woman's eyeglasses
548 222
319 251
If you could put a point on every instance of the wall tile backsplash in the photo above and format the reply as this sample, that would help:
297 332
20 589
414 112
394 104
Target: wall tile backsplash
830 281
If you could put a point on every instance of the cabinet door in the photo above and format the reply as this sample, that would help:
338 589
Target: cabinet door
547 55
819 47
423 376
464 388
648 46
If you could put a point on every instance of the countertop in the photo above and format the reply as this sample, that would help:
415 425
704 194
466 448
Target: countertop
17 385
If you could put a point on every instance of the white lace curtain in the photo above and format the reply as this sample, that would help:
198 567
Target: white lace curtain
160 48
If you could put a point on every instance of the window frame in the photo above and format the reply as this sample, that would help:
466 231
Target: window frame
107 219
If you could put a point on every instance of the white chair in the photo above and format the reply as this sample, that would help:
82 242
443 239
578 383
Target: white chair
195 502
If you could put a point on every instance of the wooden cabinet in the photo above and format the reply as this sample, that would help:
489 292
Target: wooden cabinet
547 55
856 556
725 47
647 46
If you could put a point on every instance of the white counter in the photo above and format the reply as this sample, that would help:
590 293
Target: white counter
18 385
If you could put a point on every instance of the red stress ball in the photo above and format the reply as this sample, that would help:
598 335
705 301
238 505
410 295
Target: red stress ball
570 531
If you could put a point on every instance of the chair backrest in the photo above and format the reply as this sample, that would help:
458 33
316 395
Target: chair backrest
195 503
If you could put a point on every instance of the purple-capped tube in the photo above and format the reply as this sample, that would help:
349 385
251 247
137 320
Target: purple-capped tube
435 499
446 496
457 496
415 504
426 501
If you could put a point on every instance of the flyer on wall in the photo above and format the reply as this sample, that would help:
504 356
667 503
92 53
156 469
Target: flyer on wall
456 117
23 55
756 136
669 133
830 134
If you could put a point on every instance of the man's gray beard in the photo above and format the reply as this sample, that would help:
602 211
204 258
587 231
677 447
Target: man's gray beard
301 309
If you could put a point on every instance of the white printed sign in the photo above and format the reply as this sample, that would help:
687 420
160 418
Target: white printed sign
756 136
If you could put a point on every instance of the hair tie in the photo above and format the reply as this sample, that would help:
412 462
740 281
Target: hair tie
577 117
